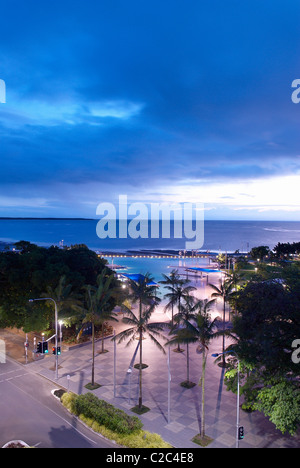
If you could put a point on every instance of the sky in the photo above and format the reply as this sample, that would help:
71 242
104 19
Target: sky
162 101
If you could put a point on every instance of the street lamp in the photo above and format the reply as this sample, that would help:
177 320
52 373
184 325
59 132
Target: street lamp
56 329
129 373
60 331
238 394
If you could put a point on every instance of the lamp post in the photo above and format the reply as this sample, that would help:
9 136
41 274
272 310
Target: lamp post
238 394
56 329
129 373
169 387
60 332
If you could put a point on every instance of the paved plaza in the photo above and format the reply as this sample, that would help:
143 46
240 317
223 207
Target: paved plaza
175 411
175 415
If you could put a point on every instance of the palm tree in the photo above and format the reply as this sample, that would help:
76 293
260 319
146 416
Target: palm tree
144 293
224 292
201 329
234 279
68 303
171 282
179 292
98 306
106 312
204 332
181 330
139 326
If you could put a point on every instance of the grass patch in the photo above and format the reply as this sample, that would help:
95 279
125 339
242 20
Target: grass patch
187 384
202 441
136 409
91 386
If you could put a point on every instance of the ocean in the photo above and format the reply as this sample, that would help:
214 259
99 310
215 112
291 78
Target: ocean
219 236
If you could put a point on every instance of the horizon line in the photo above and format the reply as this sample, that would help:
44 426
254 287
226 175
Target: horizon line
64 218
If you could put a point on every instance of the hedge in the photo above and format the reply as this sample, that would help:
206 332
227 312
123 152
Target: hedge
105 414
136 439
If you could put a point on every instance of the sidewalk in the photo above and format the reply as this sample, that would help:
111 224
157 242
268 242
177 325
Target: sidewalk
185 404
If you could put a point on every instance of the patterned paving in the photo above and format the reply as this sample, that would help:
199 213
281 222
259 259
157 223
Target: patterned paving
185 404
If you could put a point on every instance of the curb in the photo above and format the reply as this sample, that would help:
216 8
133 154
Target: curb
16 442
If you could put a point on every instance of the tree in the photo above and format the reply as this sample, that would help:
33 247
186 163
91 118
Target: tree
234 280
266 325
66 300
201 329
181 290
30 271
181 330
205 332
279 399
260 252
97 303
106 311
171 282
223 291
287 249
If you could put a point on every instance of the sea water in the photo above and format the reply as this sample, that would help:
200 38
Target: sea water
219 236
224 236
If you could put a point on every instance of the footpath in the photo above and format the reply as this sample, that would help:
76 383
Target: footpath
175 411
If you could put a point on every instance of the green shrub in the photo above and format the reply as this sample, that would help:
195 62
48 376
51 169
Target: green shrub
67 400
136 439
105 414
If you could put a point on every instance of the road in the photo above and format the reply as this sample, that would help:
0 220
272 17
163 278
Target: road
30 413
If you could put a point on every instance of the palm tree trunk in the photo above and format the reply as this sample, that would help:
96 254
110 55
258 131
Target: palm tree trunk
141 360
178 348
102 337
187 363
202 433
223 346
140 371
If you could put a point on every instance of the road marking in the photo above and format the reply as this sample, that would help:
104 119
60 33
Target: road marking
12 378
56 414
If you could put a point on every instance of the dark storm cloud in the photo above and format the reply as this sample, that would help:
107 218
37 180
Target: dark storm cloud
110 92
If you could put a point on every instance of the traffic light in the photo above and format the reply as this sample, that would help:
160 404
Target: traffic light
53 350
42 347
241 433
58 350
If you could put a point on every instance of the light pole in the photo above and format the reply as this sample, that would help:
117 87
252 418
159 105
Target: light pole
56 329
129 373
115 364
60 332
169 387
238 394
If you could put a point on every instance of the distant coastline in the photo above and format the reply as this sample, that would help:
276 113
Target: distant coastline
219 236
